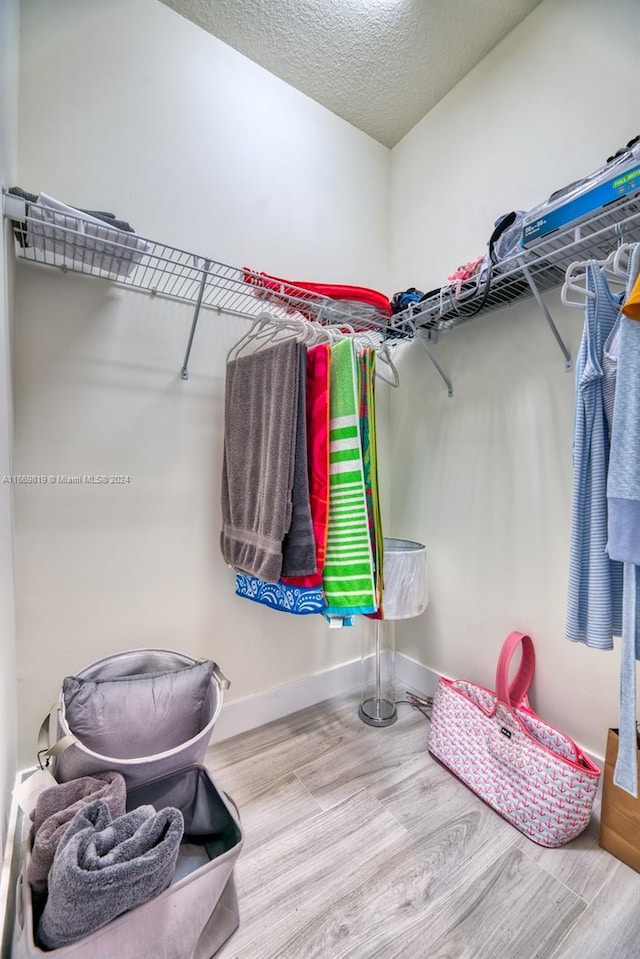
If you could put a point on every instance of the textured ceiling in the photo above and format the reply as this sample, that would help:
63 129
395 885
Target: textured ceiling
380 64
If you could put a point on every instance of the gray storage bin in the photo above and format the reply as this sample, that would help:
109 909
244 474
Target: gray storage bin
195 915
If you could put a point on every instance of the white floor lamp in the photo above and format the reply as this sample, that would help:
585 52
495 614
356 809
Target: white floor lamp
405 595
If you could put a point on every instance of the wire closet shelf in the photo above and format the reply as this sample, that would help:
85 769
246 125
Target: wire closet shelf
137 263
533 271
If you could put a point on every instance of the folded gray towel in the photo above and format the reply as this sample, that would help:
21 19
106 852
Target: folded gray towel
260 416
55 809
105 867
299 544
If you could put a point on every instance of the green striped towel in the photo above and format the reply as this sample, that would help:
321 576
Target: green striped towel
367 369
348 577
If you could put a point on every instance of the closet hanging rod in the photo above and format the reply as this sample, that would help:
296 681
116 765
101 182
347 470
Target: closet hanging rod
268 328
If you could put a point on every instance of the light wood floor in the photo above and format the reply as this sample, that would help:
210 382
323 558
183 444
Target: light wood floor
358 844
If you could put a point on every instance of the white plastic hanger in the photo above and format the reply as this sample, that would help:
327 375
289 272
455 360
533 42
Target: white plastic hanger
576 282
615 268
268 328
283 330
367 339
370 339
323 334
622 260
258 324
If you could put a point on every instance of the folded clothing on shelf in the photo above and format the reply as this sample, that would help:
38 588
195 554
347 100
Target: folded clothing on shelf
109 218
97 240
404 298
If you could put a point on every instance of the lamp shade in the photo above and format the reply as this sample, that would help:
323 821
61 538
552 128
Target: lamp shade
406 592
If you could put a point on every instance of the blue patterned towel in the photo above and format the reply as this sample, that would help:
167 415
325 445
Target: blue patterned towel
301 600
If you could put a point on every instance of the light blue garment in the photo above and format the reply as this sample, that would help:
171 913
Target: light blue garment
623 489
625 775
594 604
610 367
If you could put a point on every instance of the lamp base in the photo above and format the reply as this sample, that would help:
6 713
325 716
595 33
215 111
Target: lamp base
378 712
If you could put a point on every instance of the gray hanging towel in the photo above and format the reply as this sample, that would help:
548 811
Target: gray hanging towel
299 546
260 419
105 867
55 809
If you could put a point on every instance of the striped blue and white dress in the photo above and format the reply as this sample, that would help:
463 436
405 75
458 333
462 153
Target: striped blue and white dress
594 605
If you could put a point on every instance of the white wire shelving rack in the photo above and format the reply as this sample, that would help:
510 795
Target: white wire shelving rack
534 271
137 263
158 269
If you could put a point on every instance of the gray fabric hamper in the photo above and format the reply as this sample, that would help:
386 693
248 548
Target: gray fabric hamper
144 713
195 915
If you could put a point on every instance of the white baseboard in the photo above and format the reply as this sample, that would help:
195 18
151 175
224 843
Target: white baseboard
250 712
241 715
414 674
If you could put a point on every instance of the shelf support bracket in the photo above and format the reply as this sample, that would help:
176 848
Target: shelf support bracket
547 315
13 207
421 340
184 373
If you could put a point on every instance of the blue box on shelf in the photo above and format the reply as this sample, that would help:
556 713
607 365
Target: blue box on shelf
581 203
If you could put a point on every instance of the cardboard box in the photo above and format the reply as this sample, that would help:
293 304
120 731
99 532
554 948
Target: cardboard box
620 814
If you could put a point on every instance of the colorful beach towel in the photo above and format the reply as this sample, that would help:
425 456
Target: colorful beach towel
348 576
286 599
367 367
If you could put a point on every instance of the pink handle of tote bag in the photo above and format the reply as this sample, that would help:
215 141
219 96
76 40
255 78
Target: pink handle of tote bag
513 695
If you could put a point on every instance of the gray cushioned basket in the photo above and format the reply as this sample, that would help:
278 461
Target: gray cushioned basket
143 712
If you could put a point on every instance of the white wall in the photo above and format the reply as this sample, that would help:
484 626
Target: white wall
485 477
9 40
127 106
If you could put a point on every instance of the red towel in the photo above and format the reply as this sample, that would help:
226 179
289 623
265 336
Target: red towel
318 368
291 289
